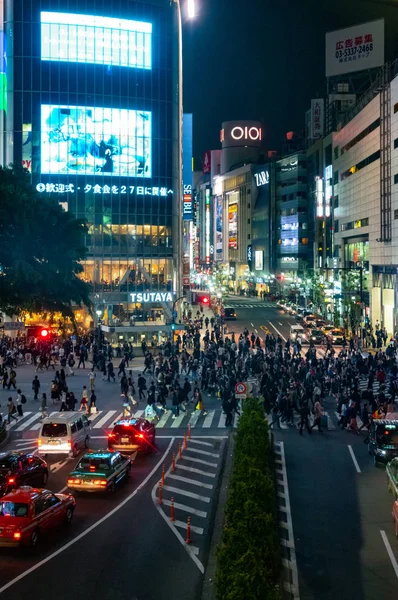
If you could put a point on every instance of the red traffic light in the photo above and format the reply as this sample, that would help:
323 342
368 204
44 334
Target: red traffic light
205 300
44 333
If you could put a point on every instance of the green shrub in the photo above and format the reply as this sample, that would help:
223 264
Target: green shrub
248 560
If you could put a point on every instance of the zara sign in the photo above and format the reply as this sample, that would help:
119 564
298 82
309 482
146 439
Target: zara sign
262 178
241 133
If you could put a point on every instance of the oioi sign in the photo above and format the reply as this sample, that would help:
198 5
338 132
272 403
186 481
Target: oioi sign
241 133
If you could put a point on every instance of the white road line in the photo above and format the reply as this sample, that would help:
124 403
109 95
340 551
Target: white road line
354 460
204 452
256 330
170 488
138 414
221 422
37 426
195 441
108 416
200 461
63 489
277 331
209 418
390 552
185 508
93 526
164 419
194 418
57 466
14 423
25 442
252 324
177 422
184 525
94 416
28 422
289 523
279 323
207 486
193 470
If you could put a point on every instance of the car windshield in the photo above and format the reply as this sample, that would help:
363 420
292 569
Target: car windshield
125 429
13 509
93 464
51 430
387 436
6 464
316 332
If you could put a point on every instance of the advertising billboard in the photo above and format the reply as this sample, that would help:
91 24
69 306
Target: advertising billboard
241 133
317 118
355 48
259 260
187 151
233 226
103 141
98 40
218 216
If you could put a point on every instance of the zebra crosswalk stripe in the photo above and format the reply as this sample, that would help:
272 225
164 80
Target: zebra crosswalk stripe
209 419
29 421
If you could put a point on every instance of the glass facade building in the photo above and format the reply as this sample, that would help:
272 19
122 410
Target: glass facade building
88 106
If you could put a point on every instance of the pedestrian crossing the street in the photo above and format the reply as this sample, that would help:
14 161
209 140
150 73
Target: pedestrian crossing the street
363 384
31 421
296 420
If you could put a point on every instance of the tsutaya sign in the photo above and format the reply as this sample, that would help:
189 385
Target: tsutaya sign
152 297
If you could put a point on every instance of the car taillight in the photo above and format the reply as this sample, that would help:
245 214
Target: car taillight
72 481
11 480
70 445
39 442
111 435
140 435
17 535
100 482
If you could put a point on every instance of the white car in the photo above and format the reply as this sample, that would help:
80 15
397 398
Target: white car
297 333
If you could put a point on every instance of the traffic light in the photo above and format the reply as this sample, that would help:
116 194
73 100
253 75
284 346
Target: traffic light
204 300
173 326
44 333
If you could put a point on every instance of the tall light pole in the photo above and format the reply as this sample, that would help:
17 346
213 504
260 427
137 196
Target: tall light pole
191 9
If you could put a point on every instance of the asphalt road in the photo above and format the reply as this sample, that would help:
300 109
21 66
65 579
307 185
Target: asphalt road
122 545
338 513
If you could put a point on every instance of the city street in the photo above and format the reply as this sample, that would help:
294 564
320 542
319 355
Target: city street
340 504
123 538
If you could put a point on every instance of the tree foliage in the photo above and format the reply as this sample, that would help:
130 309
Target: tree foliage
248 561
41 247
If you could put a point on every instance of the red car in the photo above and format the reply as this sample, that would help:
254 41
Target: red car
131 435
27 513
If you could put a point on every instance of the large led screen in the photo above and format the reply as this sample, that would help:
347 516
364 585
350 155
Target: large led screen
102 141
98 40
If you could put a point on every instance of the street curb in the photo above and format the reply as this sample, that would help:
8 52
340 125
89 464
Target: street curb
209 587
6 440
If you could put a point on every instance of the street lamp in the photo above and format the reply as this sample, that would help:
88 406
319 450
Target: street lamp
191 9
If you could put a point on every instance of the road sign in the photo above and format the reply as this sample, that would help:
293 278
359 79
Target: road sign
240 388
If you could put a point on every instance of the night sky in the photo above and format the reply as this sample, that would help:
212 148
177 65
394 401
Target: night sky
257 59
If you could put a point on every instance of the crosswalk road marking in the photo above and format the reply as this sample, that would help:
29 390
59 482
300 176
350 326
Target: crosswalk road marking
209 418
178 420
164 419
259 305
194 418
104 419
28 422
31 422
14 422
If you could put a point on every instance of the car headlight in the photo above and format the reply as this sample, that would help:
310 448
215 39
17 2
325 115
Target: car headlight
379 451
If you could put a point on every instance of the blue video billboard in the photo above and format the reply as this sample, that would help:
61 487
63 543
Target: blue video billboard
93 39
95 141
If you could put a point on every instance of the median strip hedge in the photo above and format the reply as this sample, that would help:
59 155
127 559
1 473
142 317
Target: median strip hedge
248 560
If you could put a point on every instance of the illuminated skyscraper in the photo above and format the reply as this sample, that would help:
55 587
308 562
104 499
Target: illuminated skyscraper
90 104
